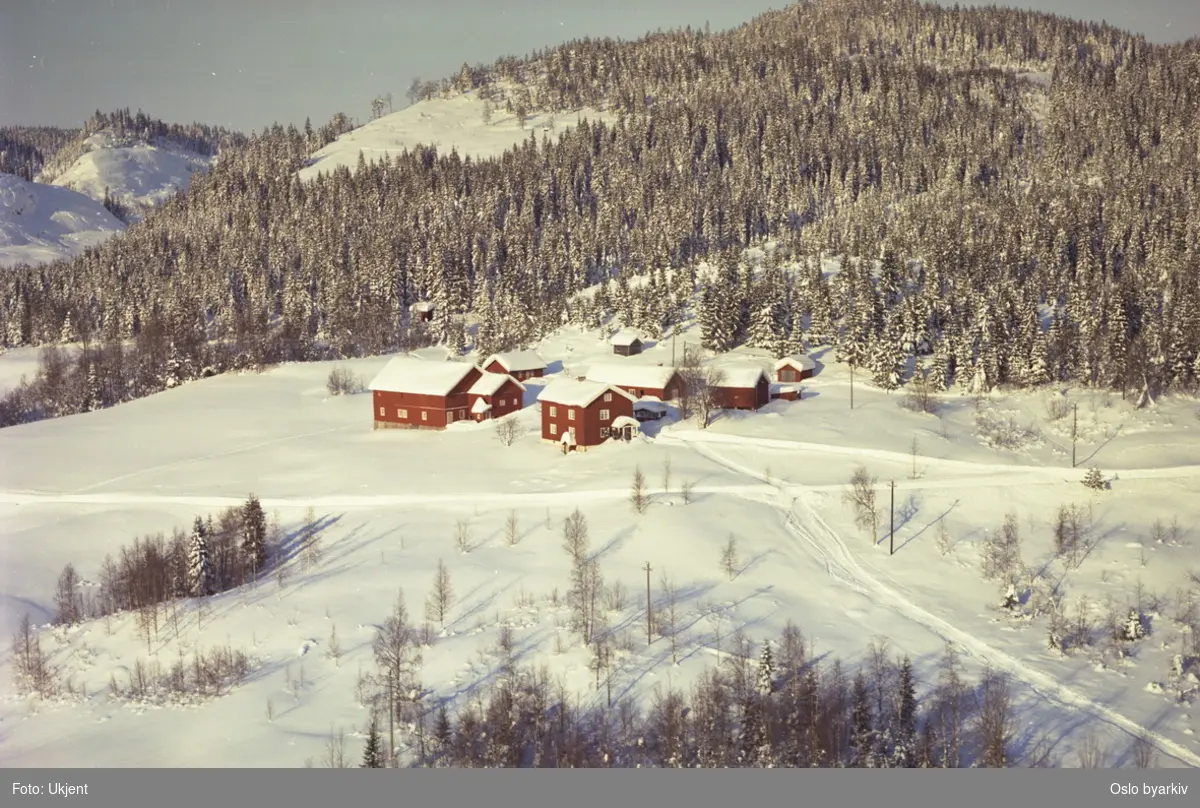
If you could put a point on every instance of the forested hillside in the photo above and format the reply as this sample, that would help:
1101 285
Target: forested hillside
1022 191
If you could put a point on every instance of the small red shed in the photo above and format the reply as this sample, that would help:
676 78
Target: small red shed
795 368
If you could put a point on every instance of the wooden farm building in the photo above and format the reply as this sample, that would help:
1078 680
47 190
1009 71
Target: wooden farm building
794 368
520 365
495 395
578 413
787 392
743 388
663 383
414 393
626 343
421 311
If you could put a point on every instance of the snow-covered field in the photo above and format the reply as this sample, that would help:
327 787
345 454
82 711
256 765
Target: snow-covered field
141 176
389 502
41 223
456 122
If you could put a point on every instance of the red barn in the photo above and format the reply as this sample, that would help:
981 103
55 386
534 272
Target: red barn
520 365
663 383
578 413
413 393
794 368
744 388
495 395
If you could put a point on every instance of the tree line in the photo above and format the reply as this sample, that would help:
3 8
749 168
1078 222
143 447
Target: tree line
1015 193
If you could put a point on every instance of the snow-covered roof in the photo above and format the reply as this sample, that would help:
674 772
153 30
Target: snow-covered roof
421 305
575 393
480 406
489 383
650 404
654 377
404 374
567 438
625 337
622 421
434 353
741 376
786 388
513 361
801 362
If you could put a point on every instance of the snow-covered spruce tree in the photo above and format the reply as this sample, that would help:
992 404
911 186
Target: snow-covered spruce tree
372 749
766 671
904 728
1134 629
200 577
254 536
862 732
1094 479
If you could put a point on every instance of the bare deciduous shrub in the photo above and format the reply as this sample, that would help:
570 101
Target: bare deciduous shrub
508 430
342 381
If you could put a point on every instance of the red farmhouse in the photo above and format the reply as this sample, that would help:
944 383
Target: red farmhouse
744 388
414 393
520 365
578 413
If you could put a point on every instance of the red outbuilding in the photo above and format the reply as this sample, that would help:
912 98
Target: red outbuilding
743 388
520 365
795 368
663 383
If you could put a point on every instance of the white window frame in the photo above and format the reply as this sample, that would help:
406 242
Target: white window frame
553 412
424 415
553 429
571 414
604 431
572 431
382 411
401 413
604 415
608 396
449 416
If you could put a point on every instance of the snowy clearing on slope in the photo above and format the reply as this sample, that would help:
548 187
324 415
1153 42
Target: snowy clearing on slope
455 122
43 223
141 176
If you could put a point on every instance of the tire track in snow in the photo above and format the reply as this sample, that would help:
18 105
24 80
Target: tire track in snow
1040 683
697 438
843 567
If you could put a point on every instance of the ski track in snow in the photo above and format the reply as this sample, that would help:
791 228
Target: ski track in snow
843 567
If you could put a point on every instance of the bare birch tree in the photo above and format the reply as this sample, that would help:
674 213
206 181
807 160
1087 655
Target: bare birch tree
861 497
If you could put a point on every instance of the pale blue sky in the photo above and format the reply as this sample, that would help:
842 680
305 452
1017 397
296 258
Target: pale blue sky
283 60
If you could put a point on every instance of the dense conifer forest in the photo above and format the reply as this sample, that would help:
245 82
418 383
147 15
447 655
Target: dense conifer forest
1013 196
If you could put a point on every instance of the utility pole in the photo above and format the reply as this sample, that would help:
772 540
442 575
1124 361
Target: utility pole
892 536
1074 431
649 607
